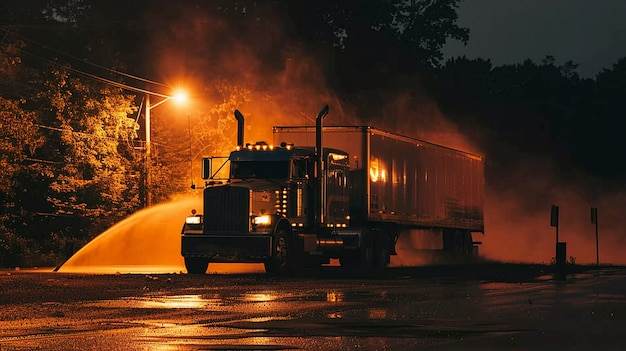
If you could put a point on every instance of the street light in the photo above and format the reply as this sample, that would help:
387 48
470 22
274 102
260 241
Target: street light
180 97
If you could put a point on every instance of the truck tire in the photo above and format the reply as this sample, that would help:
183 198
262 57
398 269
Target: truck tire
366 259
196 265
458 243
283 259
350 259
469 244
464 246
381 256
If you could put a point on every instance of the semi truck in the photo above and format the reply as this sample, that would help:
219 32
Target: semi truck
333 192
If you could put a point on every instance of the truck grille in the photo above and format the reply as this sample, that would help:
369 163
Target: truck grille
226 210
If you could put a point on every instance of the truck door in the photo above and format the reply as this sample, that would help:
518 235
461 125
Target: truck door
300 191
337 199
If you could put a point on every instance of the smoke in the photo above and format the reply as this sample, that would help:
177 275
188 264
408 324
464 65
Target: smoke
246 62
278 81
517 216
283 84
415 115
410 253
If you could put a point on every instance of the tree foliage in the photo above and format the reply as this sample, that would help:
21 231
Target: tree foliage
92 120
538 110
63 163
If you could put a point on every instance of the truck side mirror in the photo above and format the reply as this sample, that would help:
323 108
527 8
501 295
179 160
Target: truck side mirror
207 169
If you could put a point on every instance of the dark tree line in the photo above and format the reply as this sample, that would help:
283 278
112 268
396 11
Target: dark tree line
72 161
540 110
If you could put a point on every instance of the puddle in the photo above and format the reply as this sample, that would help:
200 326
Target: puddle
191 301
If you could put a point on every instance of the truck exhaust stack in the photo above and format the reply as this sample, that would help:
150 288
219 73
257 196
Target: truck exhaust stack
319 155
239 118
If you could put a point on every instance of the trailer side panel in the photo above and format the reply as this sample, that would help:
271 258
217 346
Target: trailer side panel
403 180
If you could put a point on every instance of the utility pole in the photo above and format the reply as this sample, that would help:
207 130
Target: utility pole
148 154
180 97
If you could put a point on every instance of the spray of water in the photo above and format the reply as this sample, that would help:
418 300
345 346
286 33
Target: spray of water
146 242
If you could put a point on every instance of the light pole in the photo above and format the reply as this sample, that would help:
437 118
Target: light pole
193 185
180 97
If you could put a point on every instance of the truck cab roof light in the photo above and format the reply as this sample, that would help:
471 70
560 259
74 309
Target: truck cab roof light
286 146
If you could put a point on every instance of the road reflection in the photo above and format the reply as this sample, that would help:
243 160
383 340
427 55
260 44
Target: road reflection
258 313
334 296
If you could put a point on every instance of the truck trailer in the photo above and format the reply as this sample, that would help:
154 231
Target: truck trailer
334 192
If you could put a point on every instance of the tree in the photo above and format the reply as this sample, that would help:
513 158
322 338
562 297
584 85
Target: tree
93 179
66 165
18 134
375 50
20 138
18 141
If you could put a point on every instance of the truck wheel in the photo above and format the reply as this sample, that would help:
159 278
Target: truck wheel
282 259
381 258
196 265
350 259
363 259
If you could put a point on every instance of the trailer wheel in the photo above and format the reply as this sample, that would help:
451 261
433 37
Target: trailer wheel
373 253
283 260
365 260
469 244
196 265
458 243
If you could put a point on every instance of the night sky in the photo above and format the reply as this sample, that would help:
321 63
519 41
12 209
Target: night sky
590 33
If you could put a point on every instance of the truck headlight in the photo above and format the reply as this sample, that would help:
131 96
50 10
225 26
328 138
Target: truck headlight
261 220
193 220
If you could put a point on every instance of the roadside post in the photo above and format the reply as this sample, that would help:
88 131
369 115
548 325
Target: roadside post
594 220
560 247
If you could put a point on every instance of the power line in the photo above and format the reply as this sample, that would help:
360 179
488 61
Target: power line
95 77
89 75
108 69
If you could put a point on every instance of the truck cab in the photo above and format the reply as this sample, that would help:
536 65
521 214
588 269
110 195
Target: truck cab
267 206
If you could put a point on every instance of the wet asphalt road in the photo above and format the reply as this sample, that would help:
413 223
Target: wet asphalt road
484 307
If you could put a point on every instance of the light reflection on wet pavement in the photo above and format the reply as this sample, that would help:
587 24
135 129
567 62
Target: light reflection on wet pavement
253 312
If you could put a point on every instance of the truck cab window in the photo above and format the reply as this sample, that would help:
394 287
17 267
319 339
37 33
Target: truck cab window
300 168
259 169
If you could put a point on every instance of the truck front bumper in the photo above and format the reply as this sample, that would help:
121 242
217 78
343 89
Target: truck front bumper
227 248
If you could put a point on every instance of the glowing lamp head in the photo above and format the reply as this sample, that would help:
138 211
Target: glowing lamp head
180 96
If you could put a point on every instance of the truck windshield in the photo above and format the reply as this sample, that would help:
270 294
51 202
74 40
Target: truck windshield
259 169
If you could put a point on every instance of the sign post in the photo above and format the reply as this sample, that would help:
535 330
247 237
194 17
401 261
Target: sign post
594 220
554 220
560 247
